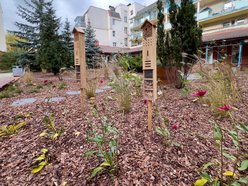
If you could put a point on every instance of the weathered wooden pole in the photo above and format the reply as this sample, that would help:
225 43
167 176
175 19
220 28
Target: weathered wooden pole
80 64
149 61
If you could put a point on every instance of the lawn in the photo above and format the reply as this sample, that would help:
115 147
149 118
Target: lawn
143 157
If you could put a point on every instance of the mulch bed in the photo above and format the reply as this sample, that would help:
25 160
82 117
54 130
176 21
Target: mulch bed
143 158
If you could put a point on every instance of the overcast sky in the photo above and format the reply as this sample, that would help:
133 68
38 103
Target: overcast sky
64 9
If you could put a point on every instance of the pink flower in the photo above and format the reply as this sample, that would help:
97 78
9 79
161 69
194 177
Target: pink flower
145 101
200 93
101 81
225 107
175 126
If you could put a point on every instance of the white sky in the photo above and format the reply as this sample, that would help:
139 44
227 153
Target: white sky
64 9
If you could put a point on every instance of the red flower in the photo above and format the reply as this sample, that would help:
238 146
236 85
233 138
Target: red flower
200 93
175 126
45 81
145 101
225 107
101 81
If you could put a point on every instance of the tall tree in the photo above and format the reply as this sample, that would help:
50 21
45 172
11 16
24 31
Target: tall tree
68 44
91 49
50 54
185 33
29 29
161 34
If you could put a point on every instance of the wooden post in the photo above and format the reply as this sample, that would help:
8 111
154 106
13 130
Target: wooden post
79 57
149 61
149 115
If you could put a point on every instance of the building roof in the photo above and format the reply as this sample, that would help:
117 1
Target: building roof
115 50
226 34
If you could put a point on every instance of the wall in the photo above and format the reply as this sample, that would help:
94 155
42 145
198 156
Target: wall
2 33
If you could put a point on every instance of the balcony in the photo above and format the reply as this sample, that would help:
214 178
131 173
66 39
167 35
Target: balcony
233 7
136 35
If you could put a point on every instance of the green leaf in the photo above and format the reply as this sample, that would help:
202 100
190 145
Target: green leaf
44 150
97 139
55 135
243 180
90 153
43 134
229 156
107 164
205 166
206 176
234 137
41 157
37 169
217 132
96 171
243 127
235 184
244 165
201 182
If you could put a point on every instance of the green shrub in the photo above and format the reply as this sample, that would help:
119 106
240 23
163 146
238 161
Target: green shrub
10 91
130 63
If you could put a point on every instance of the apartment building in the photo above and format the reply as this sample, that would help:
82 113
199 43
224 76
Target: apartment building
112 26
224 23
2 33
225 30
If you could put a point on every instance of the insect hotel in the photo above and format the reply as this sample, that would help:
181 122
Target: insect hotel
149 59
79 60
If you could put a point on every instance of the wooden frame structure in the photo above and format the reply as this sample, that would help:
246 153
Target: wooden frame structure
79 60
149 62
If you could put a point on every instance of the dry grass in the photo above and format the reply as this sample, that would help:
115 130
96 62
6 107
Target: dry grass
28 77
221 86
92 81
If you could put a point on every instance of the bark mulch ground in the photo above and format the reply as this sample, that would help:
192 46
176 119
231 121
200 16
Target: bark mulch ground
143 157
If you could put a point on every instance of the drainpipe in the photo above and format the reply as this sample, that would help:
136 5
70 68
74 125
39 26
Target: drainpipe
206 54
240 53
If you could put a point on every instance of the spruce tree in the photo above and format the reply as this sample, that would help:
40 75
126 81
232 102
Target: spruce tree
51 52
161 34
29 29
91 49
68 44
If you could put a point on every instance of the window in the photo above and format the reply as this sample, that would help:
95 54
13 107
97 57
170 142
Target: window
114 44
240 21
125 30
131 12
113 33
228 5
113 21
125 41
125 19
227 24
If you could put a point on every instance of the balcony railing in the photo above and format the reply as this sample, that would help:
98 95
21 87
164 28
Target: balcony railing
237 5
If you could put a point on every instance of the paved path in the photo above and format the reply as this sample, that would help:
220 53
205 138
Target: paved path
6 78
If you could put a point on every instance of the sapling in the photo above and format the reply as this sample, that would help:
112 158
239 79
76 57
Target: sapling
41 161
232 176
106 140
10 129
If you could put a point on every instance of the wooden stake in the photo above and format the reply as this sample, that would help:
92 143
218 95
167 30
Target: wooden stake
149 115
82 95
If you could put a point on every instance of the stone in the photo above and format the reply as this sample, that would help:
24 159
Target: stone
21 102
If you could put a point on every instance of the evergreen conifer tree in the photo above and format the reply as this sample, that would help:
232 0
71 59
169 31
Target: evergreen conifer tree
161 34
28 32
91 49
68 44
51 52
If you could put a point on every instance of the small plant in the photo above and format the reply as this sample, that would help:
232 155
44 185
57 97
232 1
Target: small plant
164 133
41 161
62 85
51 132
136 82
28 77
91 88
123 86
106 140
233 164
10 91
11 129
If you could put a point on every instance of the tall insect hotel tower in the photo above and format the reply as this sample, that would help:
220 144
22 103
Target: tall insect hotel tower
149 58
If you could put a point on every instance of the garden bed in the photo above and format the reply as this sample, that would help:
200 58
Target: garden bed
143 157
